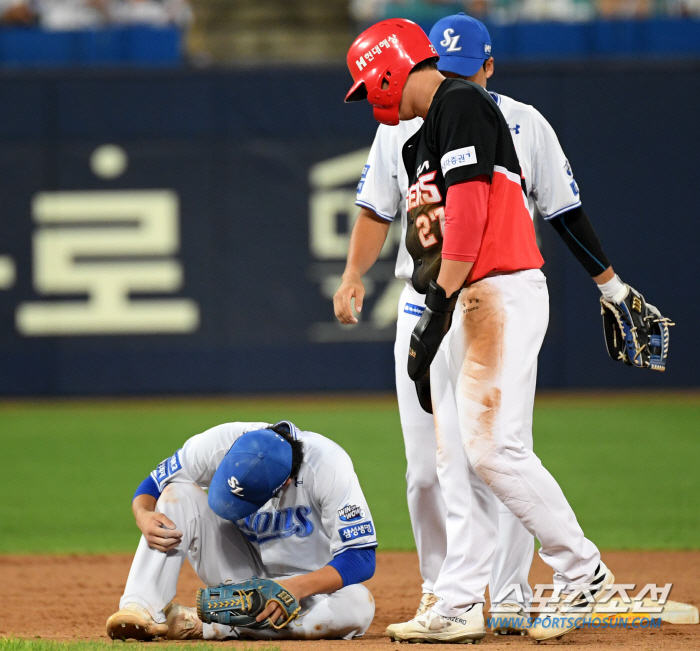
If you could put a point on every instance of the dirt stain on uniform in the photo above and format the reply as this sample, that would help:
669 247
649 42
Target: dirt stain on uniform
167 496
484 325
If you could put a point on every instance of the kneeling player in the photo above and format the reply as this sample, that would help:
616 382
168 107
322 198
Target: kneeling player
282 504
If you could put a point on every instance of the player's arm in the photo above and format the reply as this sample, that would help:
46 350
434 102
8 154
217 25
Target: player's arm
559 202
366 242
352 566
574 227
195 463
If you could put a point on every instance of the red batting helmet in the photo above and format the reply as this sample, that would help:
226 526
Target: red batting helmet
380 60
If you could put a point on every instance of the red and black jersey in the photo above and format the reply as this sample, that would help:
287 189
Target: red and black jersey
464 136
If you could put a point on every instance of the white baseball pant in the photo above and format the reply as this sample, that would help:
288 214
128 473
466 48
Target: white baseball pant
483 382
432 521
219 552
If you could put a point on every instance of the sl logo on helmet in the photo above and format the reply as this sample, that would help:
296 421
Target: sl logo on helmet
236 488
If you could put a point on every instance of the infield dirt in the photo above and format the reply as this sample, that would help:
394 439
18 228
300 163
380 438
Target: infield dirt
70 598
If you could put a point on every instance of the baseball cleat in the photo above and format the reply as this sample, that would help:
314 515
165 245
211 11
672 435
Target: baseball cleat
467 628
510 617
183 623
427 601
134 622
568 616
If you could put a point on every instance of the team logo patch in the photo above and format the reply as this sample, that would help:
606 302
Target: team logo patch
351 512
356 531
450 41
458 158
567 169
487 49
236 488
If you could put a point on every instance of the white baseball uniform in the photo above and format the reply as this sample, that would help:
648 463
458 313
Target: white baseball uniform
551 191
318 516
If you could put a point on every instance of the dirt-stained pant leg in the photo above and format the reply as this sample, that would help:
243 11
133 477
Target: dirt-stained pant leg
503 320
426 505
216 549
485 542
345 614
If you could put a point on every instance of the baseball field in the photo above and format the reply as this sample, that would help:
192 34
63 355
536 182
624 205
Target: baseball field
627 462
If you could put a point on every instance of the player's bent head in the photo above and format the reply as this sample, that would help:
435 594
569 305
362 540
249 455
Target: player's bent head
380 61
284 429
256 467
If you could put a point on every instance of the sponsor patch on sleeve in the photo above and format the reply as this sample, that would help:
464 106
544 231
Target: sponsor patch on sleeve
458 158
351 512
166 469
356 531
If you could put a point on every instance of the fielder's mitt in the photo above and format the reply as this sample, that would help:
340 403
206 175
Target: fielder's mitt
238 604
635 332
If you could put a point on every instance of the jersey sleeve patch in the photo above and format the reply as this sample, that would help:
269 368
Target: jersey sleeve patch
363 176
166 469
458 158
356 531
351 512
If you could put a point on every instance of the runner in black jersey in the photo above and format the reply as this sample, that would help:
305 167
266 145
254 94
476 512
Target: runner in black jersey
484 267
449 150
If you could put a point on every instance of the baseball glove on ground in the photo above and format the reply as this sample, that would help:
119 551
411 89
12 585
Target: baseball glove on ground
238 604
635 332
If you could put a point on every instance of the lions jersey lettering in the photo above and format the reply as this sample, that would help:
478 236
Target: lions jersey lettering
264 526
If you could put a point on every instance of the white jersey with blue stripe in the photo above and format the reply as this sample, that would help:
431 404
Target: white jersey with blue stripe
550 184
318 516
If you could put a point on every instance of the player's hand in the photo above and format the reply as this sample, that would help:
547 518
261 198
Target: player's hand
351 287
273 611
159 531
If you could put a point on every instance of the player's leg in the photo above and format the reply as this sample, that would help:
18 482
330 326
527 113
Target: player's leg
516 545
495 401
345 614
425 502
216 549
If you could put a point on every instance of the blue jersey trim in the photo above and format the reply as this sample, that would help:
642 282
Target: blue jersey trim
365 204
355 565
415 310
561 211
360 545
147 487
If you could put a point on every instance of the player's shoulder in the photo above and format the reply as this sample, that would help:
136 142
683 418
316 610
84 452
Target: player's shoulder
460 91
456 99
513 108
222 436
320 451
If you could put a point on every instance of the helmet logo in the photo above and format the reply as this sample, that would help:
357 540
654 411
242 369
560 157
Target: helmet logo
236 488
376 51
449 41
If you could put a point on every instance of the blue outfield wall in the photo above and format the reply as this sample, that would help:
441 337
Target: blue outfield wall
184 231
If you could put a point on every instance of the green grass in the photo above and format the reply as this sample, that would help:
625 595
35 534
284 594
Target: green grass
68 470
19 644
